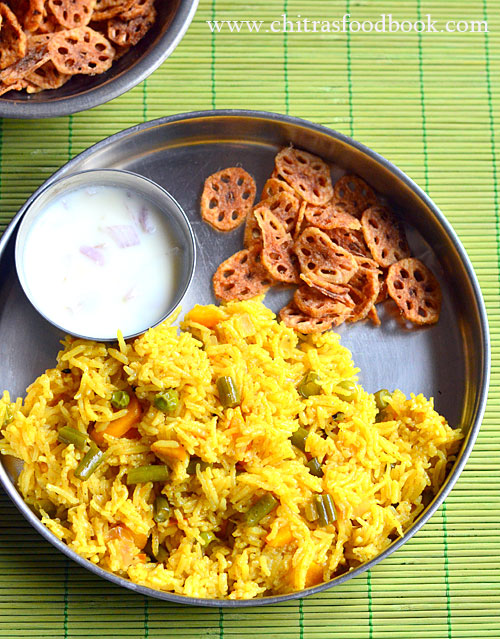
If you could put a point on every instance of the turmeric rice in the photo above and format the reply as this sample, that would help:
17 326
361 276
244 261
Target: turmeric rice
292 476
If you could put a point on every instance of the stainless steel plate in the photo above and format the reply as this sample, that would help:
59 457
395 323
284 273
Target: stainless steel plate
449 361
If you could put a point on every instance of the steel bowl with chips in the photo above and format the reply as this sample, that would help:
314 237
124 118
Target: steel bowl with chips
60 56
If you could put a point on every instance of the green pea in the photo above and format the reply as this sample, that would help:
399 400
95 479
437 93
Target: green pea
309 385
120 399
382 397
350 388
167 401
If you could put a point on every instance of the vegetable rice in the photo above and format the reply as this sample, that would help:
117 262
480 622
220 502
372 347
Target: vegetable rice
281 476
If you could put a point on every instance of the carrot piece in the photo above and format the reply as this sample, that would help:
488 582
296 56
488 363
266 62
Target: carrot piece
166 452
314 575
121 426
208 316
125 534
283 537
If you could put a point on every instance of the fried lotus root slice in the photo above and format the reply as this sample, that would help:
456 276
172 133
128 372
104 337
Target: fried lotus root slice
325 263
364 288
353 195
137 8
415 290
273 186
13 40
36 56
80 50
285 206
34 15
315 304
105 9
330 217
227 198
130 32
72 13
352 241
384 236
277 247
47 77
306 173
292 317
241 277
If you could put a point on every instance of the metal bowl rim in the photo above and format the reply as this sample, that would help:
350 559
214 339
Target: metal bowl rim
484 371
26 110
180 214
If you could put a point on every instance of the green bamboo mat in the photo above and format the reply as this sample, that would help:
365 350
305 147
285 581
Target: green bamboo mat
428 102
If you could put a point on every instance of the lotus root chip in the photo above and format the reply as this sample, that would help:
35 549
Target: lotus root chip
284 205
364 289
81 50
17 86
324 262
315 304
227 198
36 56
353 195
277 247
252 236
273 186
137 8
329 216
352 241
384 236
301 220
382 294
415 290
34 15
366 262
13 40
338 292
72 13
306 173
292 317
241 277
106 9
47 77
129 32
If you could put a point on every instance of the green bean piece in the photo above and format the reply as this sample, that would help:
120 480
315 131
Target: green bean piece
350 390
260 509
326 509
68 435
167 401
120 399
143 474
161 510
311 512
298 438
229 394
90 462
207 538
315 467
194 462
309 385
382 397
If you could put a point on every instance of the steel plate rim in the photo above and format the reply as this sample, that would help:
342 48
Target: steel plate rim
483 372
25 110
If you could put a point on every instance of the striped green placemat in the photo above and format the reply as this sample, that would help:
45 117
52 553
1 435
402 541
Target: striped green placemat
430 103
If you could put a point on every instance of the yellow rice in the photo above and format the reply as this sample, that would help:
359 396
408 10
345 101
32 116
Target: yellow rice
379 474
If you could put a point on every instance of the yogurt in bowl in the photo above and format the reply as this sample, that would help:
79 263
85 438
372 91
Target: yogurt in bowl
105 251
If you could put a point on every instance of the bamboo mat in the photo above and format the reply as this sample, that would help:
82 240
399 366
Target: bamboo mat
428 102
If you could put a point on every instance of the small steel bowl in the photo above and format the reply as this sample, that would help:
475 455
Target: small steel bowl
84 92
177 221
